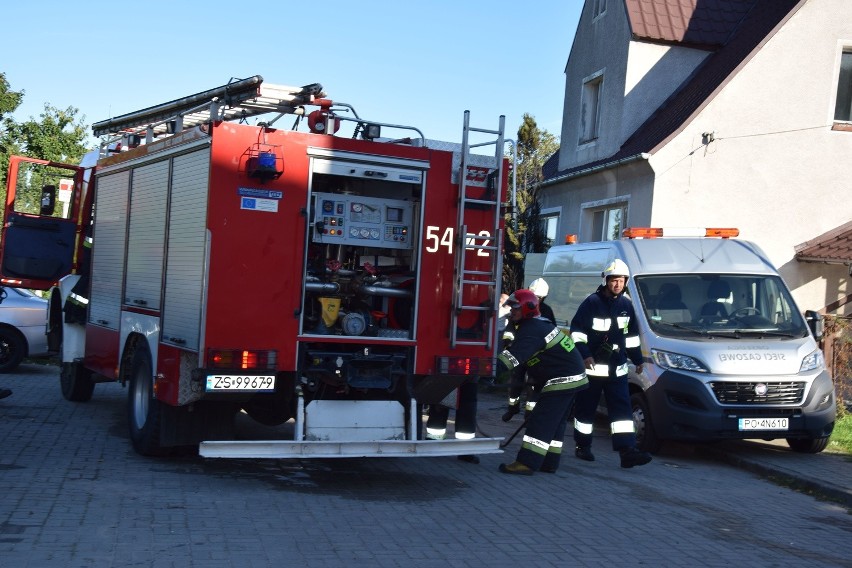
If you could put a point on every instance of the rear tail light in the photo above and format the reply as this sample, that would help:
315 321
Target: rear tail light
241 358
479 366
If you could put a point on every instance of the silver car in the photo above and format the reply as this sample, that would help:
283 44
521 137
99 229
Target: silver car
23 323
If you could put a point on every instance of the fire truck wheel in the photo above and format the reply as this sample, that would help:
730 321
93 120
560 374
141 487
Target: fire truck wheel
12 349
76 382
144 412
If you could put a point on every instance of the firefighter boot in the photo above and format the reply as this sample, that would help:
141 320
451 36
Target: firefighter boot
510 412
515 468
633 456
584 453
550 464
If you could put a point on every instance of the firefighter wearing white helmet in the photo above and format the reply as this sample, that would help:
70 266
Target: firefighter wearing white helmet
615 268
606 333
540 288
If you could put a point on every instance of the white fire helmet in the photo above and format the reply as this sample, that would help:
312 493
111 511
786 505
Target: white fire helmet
615 268
539 287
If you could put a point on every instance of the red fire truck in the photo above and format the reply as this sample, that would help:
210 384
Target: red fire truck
338 284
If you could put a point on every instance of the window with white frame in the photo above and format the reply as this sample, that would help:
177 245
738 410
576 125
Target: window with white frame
843 106
599 8
608 222
549 223
590 108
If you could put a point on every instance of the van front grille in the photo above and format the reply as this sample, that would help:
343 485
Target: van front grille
787 392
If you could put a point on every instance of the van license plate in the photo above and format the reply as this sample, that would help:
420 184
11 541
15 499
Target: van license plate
764 424
240 383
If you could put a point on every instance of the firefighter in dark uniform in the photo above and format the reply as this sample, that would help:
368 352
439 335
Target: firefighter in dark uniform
465 429
518 385
556 368
606 334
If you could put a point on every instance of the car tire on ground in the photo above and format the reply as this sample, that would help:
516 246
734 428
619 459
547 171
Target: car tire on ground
13 348
646 438
807 445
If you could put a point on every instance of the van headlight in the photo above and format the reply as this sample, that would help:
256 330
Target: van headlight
668 360
813 361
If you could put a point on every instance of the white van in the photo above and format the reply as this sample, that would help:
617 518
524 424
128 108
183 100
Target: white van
727 352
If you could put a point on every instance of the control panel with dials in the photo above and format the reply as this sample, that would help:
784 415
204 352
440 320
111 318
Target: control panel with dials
362 221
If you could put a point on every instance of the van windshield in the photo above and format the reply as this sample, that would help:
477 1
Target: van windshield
719 304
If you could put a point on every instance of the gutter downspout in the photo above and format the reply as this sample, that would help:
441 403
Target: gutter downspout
514 184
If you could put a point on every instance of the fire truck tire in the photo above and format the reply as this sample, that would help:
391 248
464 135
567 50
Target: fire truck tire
76 382
13 347
143 410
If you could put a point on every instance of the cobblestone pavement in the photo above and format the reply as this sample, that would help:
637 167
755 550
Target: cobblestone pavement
74 494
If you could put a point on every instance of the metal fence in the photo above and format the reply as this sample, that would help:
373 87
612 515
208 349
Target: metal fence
837 347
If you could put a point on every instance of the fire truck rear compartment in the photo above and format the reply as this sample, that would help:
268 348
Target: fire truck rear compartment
361 259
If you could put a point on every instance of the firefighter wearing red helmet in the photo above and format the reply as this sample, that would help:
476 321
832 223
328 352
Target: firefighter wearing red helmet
518 384
606 334
555 366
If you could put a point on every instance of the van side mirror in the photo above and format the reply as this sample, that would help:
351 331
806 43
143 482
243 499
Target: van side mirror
48 200
816 321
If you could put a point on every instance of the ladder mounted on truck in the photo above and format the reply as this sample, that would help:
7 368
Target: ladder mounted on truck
472 244
237 100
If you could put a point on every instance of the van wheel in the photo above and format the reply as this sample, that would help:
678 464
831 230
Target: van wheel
76 382
12 349
646 438
143 410
808 445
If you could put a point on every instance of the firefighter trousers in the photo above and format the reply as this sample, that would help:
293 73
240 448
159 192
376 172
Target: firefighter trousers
542 445
617 396
436 425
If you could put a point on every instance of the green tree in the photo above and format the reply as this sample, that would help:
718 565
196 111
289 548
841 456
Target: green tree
58 135
9 102
524 231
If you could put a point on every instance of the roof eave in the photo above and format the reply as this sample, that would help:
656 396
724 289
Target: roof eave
593 169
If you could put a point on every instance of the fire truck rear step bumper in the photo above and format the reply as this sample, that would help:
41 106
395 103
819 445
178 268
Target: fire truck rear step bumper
282 449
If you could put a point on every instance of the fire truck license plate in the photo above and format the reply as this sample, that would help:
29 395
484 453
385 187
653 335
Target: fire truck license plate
764 424
240 383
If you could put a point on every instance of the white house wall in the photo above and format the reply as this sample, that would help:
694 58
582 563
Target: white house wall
771 164
653 73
